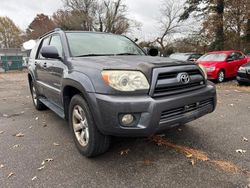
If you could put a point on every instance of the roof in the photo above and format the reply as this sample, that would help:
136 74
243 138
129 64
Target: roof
73 31
223 52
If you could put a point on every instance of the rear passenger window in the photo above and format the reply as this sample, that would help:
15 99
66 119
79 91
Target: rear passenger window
56 42
45 42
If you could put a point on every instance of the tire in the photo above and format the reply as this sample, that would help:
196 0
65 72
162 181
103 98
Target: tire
221 76
241 83
88 140
35 98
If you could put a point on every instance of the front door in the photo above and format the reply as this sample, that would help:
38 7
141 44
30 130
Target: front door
40 69
54 72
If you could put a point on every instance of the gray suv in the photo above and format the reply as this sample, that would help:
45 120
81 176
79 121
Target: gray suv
105 85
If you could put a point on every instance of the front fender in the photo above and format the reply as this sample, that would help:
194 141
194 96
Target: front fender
80 81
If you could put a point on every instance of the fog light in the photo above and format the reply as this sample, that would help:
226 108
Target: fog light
127 119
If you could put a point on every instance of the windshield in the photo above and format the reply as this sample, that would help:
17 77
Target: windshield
182 57
98 44
213 57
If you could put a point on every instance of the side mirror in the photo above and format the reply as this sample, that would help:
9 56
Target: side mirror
50 52
153 52
229 59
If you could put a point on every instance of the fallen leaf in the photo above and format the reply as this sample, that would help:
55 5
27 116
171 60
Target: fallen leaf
42 167
10 174
189 155
34 178
244 139
56 144
46 160
49 160
161 135
125 152
241 151
192 162
1 132
19 135
148 162
16 146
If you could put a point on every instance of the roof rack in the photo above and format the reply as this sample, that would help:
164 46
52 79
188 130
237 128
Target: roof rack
55 30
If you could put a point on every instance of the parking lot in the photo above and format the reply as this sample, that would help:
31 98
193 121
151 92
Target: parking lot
37 150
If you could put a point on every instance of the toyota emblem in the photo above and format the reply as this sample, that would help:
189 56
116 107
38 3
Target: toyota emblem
184 78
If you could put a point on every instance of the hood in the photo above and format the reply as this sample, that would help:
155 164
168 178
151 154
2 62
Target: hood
142 63
209 63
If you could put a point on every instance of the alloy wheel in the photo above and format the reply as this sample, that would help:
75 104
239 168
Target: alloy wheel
80 126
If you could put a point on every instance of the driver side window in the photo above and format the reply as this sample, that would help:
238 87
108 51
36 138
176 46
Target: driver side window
233 56
56 42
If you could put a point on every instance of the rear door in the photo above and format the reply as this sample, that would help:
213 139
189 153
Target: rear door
232 64
242 59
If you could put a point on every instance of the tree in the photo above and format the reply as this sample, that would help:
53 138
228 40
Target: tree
39 26
85 11
93 15
10 34
170 16
212 10
68 20
112 17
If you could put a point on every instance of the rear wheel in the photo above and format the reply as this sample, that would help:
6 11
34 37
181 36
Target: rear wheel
35 97
89 141
221 76
241 83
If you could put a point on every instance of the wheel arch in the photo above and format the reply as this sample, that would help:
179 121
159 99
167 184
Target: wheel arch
72 87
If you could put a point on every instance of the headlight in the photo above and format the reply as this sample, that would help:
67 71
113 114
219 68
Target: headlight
210 69
203 70
125 80
242 69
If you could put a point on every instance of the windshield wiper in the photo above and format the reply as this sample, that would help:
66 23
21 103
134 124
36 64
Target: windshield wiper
126 54
92 55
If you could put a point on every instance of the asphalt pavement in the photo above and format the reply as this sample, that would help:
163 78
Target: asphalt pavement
37 150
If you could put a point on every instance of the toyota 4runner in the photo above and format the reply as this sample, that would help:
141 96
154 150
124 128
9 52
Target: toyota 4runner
105 85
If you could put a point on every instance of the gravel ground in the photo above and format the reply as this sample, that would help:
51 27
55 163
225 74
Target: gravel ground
200 154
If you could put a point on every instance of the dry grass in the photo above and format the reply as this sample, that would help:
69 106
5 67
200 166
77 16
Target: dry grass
226 166
196 154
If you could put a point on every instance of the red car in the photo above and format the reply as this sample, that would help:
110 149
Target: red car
222 64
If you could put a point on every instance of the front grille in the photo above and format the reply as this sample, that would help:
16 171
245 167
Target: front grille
177 112
168 82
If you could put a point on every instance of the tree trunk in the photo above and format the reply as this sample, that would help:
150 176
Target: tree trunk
219 41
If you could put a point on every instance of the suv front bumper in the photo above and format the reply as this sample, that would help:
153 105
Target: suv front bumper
152 115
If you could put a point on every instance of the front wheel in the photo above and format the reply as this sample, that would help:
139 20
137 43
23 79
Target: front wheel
89 141
221 76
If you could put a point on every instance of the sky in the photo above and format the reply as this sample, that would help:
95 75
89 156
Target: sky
22 12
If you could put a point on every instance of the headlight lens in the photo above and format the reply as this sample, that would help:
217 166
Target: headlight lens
125 80
242 69
210 69
203 70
